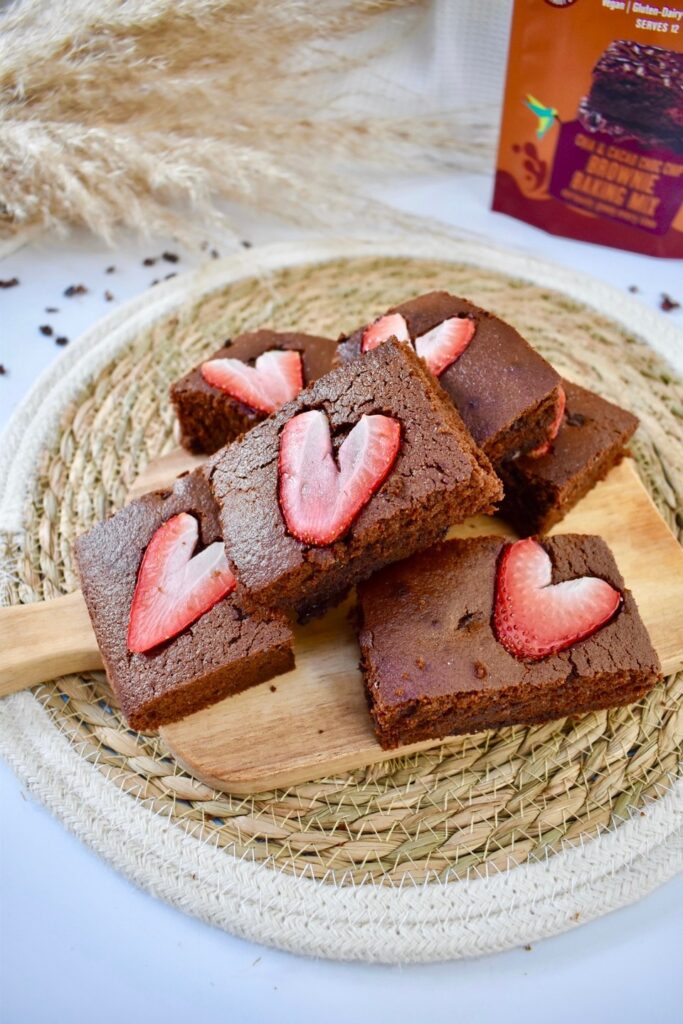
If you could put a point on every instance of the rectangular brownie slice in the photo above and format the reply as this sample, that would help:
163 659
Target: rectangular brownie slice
540 491
638 89
434 664
504 390
438 477
222 652
211 416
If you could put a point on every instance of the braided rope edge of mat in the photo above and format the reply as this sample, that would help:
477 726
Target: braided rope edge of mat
420 923
371 922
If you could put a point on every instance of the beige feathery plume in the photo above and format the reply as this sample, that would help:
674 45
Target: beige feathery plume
122 112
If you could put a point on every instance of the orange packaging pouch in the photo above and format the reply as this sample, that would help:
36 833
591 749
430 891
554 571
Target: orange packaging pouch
591 143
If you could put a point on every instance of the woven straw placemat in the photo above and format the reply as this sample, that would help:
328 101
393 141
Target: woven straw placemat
563 814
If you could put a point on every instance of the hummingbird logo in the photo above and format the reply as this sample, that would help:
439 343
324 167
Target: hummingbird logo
546 115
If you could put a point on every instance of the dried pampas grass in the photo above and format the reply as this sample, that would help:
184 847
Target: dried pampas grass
122 113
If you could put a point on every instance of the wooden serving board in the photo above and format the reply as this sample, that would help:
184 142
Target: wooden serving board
314 720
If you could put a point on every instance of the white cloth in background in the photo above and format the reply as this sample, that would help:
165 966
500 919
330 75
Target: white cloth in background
443 56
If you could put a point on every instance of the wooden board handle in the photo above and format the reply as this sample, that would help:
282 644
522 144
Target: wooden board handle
45 640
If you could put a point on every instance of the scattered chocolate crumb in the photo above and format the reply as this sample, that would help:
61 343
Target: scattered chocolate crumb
214 254
61 340
170 257
465 620
633 288
167 277
528 949
667 303
320 732
273 689
110 270
46 330
155 281
11 282
75 289
245 244
108 296
149 261
3 371
51 309
480 670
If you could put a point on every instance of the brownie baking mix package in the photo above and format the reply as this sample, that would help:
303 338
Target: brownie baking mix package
591 143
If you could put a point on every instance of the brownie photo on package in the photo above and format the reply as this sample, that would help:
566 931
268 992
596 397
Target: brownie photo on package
637 92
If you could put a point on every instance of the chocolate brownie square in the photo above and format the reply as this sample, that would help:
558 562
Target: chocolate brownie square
220 653
592 439
438 634
637 90
366 466
211 416
505 391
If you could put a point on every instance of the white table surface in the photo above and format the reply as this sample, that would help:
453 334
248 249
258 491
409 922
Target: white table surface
78 942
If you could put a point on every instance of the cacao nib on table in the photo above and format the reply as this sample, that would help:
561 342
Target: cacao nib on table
667 304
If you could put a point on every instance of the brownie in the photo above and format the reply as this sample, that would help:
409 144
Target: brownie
209 417
637 91
433 665
439 477
504 390
223 652
592 439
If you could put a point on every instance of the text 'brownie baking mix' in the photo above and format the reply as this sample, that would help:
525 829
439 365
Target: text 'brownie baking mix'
591 143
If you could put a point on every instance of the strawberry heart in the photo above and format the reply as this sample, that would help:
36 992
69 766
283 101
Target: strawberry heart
174 589
445 343
533 617
392 325
320 501
276 378
554 429
439 347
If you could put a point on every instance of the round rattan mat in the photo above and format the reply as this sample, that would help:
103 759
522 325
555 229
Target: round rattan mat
478 804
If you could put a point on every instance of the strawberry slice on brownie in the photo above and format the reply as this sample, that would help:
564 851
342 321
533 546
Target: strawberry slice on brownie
439 347
249 378
554 429
319 499
275 378
535 617
175 588
445 343
391 326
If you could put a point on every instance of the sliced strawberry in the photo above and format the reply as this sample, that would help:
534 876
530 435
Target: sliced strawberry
320 501
533 617
560 406
445 343
173 588
276 378
392 325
